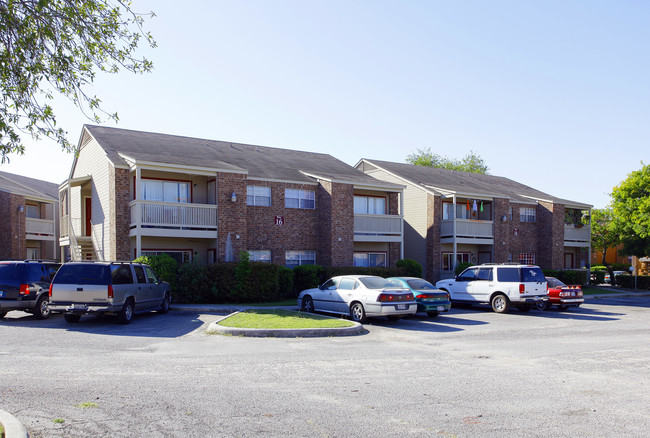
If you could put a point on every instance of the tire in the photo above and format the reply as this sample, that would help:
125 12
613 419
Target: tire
307 304
164 306
42 310
357 313
126 314
433 313
71 317
500 303
2 314
542 305
394 317
563 308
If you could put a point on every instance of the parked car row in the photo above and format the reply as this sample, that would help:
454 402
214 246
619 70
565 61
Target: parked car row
81 288
500 285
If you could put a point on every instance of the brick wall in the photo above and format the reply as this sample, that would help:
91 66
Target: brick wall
550 219
336 223
12 227
121 195
431 270
231 216
502 229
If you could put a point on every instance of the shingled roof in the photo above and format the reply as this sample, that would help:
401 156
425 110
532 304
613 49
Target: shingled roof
29 187
466 183
261 162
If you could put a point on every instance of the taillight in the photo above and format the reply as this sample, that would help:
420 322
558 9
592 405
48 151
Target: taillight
110 291
424 296
50 291
522 288
409 297
24 289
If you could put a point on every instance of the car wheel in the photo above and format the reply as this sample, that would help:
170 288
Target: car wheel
563 308
71 317
307 304
164 306
357 313
394 317
2 314
500 303
42 309
433 313
542 305
126 314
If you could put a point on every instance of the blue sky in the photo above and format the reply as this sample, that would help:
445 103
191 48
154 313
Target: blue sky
552 94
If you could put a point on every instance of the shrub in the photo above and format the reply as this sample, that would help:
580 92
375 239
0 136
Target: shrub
413 268
627 281
573 277
194 285
357 270
307 277
285 282
599 276
621 267
461 267
165 267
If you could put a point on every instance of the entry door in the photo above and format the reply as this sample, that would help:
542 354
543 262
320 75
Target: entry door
89 216
568 261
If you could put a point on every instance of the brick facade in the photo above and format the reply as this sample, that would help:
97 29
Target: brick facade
12 227
232 216
431 270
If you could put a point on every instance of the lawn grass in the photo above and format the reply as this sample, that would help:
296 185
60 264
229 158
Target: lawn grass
287 302
281 319
597 291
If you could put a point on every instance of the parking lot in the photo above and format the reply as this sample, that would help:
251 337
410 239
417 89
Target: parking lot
467 373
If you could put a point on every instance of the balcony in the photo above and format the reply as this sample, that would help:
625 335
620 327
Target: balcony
39 229
378 228
577 236
149 218
467 231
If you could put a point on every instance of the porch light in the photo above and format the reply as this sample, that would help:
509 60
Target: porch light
233 197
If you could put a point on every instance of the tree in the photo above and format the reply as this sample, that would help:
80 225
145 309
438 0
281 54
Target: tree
604 234
471 162
631 207
49 46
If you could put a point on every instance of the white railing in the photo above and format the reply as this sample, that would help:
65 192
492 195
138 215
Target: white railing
42 227
377 224
171 214
467 228
573 234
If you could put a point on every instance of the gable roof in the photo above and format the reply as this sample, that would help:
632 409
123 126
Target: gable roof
259 162
445 181
29 187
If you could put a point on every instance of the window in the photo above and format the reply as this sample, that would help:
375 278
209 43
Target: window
260 255
370 259
448 257
165 191
299 198
526 215
139 274
508 275
527 258
369 205
348 284
484 274
32 254
297 258
32 211
181 256
468 275
260 196
121 274
151 276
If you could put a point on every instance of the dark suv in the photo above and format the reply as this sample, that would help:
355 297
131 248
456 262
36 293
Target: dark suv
24 286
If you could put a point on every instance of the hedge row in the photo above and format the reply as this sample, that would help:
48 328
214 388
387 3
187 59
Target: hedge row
568 276
627 281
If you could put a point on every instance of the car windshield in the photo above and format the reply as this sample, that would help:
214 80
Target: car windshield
377 282
554 282
420 284
82 274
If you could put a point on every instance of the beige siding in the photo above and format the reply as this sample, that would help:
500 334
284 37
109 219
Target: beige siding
92 161
415 217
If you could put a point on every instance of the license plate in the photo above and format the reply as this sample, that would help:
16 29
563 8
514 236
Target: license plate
401 306
441 308
79 306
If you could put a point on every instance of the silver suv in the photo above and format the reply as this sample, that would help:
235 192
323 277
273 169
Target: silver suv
121 288
501 285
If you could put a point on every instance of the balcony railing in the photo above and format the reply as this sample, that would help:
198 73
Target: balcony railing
39 227
467 228
573 234
173 215
382 227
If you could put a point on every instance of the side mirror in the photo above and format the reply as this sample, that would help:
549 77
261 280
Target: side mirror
321 287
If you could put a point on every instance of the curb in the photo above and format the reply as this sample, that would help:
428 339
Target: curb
13 427
215 329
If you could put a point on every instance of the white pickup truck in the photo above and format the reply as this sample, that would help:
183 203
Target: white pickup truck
121 288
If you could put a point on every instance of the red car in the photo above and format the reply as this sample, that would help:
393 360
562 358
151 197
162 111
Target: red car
561 295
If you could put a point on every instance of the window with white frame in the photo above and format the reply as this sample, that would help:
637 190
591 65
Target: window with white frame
294 198
370 259
165 191
448 259
527 258
260 255
297 258
369 205
527 214
259 196
181 256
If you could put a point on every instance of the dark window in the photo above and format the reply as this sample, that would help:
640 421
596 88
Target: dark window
420 285
82 274
532 275
150 274
51 271
484 274
139 274
329 285
467 275
34 273
121 274
508 275
10 274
